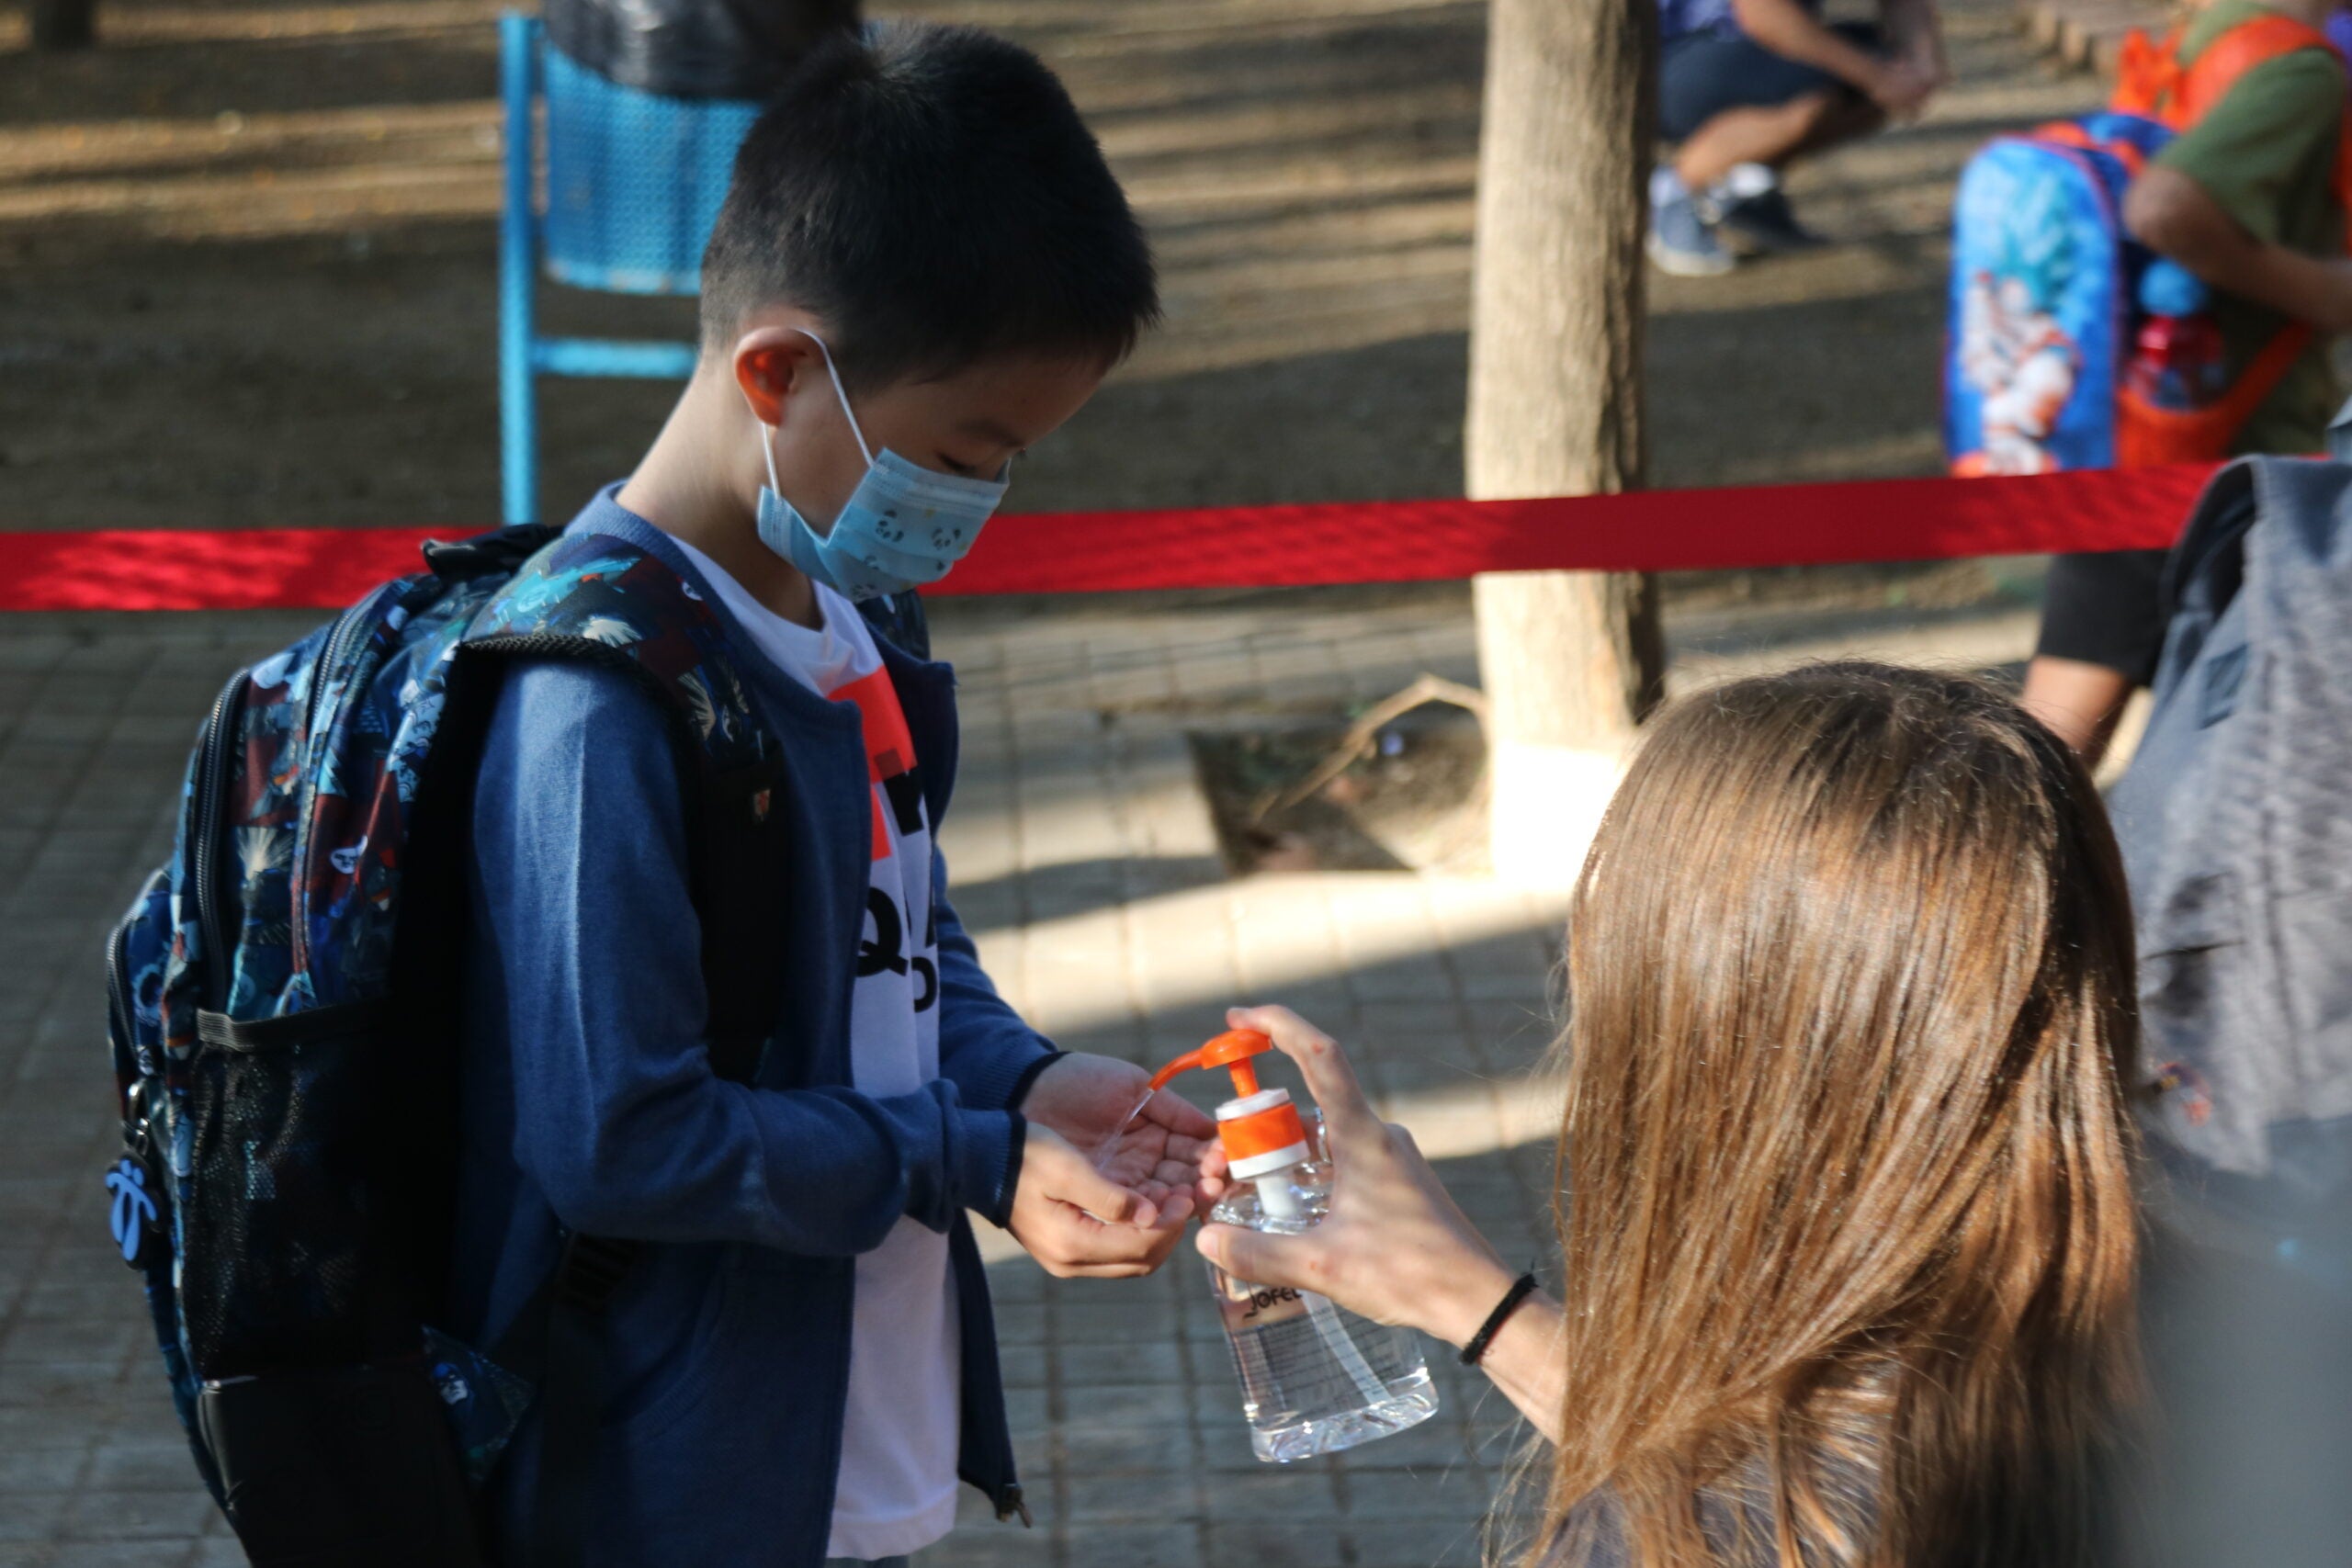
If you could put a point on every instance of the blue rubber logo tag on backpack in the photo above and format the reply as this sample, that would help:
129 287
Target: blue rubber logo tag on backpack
134 1213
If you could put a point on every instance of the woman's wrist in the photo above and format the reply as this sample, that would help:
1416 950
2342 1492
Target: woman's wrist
1526 1359
1464 1298
1513 1298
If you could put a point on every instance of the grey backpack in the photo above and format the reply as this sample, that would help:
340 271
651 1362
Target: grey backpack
2235 821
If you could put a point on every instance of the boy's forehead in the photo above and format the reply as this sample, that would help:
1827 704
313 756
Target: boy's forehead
1009 403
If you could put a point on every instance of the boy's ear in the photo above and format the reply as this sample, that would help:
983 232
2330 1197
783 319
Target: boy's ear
771 364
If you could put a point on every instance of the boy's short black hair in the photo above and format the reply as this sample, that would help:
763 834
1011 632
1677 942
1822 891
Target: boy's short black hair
932 195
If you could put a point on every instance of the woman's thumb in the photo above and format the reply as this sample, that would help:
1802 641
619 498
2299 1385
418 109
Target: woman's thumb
1249 1255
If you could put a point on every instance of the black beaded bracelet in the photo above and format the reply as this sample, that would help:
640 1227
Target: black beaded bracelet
1521 1289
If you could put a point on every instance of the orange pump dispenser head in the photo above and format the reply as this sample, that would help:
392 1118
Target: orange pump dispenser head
1231 1050
1259 1127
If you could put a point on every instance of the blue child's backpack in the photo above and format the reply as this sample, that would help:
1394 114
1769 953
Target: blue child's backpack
2045 279
283 1000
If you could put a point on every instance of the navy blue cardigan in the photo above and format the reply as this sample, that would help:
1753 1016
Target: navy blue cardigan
589 1104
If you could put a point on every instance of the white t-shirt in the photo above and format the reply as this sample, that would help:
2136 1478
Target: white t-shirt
897 1491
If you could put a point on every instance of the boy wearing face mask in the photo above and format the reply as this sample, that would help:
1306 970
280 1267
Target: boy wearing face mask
922 268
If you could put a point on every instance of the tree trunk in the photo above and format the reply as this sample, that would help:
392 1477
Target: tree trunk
1570 659
64 24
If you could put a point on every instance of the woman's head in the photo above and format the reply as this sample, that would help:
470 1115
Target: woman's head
1846 1156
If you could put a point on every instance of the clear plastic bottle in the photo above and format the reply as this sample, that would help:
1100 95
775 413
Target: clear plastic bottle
1315 1378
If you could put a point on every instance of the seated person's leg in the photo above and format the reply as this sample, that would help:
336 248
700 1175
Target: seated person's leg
1739 114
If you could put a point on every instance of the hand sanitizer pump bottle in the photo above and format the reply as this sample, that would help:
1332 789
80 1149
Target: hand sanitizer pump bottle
1315 1378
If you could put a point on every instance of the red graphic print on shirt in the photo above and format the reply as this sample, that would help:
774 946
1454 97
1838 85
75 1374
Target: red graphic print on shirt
890 757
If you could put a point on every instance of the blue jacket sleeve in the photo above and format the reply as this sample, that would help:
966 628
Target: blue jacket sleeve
985 1049
581 897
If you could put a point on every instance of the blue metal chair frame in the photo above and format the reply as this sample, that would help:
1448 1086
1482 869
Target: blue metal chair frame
523 355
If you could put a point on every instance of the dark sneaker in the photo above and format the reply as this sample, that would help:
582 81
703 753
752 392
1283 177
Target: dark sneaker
1682 241
1766 224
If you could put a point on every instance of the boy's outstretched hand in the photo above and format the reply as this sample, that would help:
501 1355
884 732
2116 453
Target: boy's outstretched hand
1152 1160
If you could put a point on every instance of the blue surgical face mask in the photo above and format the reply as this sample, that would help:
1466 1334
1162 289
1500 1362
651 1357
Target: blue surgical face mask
901 527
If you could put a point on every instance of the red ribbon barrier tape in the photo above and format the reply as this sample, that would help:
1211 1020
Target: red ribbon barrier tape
1235 546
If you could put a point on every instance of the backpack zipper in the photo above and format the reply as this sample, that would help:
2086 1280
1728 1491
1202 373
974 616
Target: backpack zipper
330 659
327 662
211 785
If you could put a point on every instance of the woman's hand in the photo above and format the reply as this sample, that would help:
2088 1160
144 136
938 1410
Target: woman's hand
1396 1247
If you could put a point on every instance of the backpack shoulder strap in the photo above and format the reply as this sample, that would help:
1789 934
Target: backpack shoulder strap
603 598
606 601
2207 80
2147 73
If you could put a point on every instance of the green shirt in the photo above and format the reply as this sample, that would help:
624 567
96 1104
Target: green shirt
2266 154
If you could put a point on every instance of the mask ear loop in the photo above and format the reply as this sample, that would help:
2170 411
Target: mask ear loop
840 391
767 444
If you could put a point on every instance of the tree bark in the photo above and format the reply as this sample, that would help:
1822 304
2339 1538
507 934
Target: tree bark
64 24
1570 659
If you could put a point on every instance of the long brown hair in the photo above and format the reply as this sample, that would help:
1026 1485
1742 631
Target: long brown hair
1846 1202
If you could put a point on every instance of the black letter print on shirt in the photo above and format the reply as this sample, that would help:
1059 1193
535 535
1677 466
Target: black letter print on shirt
924 967
888 950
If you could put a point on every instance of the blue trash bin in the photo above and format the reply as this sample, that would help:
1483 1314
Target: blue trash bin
635 180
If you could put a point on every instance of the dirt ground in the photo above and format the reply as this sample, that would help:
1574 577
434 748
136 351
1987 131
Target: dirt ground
247 255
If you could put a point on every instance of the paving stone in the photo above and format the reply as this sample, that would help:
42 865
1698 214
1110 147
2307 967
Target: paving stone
1142 1322
1145 1361
1021 1366
118 1554
1135 1546
1426 1543
140 1466
145 1514
1134 1498
43 1470
34 1515
988 1542
1151 1447
1277 1543
1306 1492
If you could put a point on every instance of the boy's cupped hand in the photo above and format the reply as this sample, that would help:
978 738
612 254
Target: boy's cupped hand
1104 1193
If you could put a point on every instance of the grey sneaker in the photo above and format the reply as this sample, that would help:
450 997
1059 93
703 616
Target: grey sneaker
1766 224
1682 240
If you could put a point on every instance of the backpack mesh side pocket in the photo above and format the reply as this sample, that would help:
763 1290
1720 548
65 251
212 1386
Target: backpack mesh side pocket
277 1226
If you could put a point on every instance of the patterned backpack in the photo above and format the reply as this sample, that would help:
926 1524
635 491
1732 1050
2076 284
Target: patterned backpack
2045 297
283 1003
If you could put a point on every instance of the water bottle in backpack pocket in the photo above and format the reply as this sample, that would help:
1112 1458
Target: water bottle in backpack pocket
2177 358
